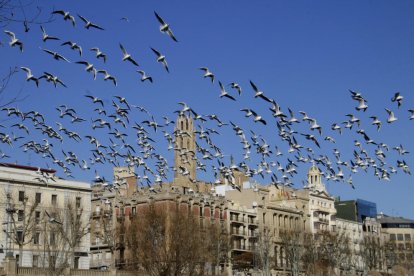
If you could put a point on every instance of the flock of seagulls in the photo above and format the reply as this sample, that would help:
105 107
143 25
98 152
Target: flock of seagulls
123 134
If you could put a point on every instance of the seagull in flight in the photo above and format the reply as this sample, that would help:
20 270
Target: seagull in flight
66 16
56 55
99 53
224 92
51 78
73 46
89 24
236 86
144 76
95 99
391 117
127 56
161 58
52 219
207 73
89 68
46 36
397 98
165 27
259 93
14 41
29 75
107 76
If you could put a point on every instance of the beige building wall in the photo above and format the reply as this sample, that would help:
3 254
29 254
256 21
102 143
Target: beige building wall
22 184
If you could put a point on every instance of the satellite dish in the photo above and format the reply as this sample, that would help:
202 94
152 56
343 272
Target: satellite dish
254 204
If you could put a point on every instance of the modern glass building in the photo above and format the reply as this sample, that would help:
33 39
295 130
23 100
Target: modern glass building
356 210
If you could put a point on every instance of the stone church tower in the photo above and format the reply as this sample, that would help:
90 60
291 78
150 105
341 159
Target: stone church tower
184 153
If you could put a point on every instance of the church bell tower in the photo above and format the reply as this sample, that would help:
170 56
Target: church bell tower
184 152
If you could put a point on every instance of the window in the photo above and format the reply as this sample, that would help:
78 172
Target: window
20 215
37 216
78 202
76 263
134 210
54 200
400 237
407 237
408 246
35 262
20 237
52 238
38 198
36 238
21 196
392 237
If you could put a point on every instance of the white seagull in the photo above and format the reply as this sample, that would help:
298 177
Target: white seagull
73 46
89 24
46 36
99 53
144 76
14 41
66 16
29 75
127 56
391 117
161 58
207 73
165 27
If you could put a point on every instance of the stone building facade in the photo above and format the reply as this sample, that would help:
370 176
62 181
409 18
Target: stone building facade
34 200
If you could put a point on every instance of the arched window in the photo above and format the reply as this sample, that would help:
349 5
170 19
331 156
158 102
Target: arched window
186 124
181 142
182 125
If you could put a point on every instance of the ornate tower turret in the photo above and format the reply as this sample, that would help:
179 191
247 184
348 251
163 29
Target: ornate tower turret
184 153
315 179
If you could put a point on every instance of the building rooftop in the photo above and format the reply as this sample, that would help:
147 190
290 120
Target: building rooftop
385 219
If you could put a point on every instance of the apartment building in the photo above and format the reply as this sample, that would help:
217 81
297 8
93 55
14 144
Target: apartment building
45 218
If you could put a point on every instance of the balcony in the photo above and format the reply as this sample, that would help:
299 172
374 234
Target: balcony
237 219
236 232
242 247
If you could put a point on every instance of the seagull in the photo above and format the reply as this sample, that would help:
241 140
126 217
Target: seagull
412 114
127 56
95 99
89 67
55 55
144 77
51 78
52 219
46 36
161 58
236 86
207 73
14 41
397 98
73 46
362 105
391 118
258 118
224 92
165 27
376 122
125 19
66 16
259 93
99 53
89 24
29 75
108 76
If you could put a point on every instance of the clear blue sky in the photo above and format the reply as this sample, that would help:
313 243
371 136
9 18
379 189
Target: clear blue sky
304 54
